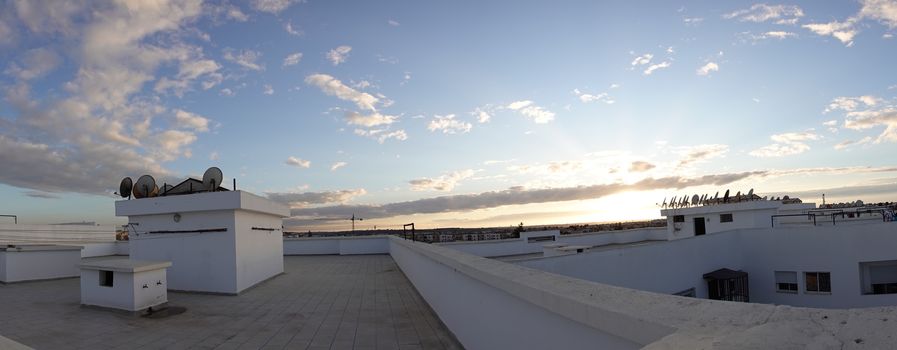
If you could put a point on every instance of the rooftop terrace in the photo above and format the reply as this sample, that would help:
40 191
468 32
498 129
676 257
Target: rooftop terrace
320 302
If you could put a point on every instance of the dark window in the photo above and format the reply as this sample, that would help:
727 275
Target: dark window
884 288
678 218
106 278
787 287
879 277
818 282
786 281
725 217
539 239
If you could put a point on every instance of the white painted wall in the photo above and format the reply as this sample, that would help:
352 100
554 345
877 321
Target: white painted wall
130 290
482 316
662 267
38 262
218 262
336 245
259 252
203 262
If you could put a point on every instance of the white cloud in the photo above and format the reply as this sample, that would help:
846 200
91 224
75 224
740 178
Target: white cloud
393 23
305 199
339 54
707 68
297 162
642 60
538 114
443 183
228 92
483 114
884 11
35 63
291 30
292 59
272 6
700 153
381 135
654 67
848 104
338 165
782 14
586 98
189 120
779 34
786 144
333 87
831 125
843 31
847 143
170 144
269 90
371 120
448 125
887 117
244 58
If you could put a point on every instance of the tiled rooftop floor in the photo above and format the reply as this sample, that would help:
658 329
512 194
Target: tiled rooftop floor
321 302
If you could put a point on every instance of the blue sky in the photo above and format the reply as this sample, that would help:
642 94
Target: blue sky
450 113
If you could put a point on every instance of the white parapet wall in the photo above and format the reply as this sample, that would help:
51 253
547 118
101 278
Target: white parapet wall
522 308
218 242
31 262
336 245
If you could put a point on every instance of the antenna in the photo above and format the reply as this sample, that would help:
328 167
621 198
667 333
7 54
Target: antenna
145 185
751 195
664 204
726 196
124 189
211 179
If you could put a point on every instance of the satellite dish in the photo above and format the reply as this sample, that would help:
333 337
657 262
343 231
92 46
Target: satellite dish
716 195
664 204
211 179
154 192
751 194
694 200
124 189
726 197
785 198
738 194
144 186
673 201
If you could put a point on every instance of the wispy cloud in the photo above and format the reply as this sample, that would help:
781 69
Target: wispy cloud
339 55
370 120
786 144
654 67
188 120
393 23
781 14
381 135
448 125
297 162
272 6
292 59
338 165
847 143
305 199
528 109
587 98
442 183
843 31
707 68
642 60
700 153
333 87
245 58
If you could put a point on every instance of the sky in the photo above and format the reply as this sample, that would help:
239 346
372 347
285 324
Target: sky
446 114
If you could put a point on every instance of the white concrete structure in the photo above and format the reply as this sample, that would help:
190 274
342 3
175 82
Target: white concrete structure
529 242
218 242
125 284
709 219
37 262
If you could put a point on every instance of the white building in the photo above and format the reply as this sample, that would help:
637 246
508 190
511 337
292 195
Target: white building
218 242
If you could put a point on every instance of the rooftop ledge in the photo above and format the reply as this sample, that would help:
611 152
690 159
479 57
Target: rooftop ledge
659 321
206 201
125 265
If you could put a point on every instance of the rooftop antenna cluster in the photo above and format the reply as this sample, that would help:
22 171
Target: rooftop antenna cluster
146 186
705 199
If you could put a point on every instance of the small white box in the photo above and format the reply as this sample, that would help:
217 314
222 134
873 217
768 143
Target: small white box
132 285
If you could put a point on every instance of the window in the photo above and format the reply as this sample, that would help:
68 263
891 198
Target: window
678 218
820 282
725 217
106 278
879 277
786 281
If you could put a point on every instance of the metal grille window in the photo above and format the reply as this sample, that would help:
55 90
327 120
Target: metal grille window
725 217
678 218
818 282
